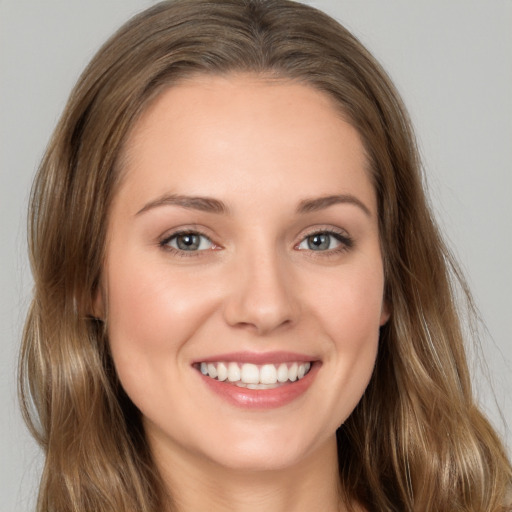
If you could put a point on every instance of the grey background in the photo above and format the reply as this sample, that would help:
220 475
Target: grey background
451 60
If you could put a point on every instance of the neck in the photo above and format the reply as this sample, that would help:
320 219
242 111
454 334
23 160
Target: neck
203 485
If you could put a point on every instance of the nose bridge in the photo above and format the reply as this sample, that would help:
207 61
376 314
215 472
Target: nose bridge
261 294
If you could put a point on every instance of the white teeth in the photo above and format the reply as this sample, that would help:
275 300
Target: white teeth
268 374
233 372
252 376
222 372
292 372
282 373
212 370
262 386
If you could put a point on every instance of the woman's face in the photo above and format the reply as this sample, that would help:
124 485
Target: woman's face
243 252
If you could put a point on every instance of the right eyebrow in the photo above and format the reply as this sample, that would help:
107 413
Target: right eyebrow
204 204
319 203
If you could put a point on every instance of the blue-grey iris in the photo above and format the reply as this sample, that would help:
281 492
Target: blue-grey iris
188 242
319 242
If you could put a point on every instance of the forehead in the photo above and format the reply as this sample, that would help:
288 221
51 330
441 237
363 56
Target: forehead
210 134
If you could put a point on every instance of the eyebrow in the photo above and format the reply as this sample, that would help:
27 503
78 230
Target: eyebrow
204 204
211 205
320 203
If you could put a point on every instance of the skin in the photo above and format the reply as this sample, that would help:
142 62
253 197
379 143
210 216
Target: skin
262 148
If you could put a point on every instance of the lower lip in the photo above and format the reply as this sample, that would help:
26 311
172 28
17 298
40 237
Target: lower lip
262 398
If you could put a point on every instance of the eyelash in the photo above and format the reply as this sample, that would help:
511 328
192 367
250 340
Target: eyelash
345 242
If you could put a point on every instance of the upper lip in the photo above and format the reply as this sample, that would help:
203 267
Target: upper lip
257 357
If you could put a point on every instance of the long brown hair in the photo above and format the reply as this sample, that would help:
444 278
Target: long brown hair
416 441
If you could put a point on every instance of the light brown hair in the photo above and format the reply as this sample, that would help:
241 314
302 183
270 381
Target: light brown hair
416 441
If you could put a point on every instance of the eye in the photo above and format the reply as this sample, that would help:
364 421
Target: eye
325 241
189 241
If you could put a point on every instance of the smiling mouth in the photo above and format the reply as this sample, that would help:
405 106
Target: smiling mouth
253 376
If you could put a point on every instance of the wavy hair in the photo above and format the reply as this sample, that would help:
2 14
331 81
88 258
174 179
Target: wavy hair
417 440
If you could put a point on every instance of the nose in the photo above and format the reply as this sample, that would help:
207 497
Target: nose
261 294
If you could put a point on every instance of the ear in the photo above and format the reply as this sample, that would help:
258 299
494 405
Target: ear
385 312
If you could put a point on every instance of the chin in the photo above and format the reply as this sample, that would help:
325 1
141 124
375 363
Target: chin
266 451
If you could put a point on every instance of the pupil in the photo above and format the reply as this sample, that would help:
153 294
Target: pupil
318 242
188 242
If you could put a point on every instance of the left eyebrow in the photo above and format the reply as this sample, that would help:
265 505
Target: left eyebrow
205 204
319 203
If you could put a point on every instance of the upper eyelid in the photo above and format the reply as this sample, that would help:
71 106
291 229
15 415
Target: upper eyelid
313 230
342 236
186 232
171 233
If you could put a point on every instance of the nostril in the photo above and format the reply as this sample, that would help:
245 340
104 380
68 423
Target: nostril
262 326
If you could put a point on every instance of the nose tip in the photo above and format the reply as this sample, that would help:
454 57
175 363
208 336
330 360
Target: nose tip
260 318
261 298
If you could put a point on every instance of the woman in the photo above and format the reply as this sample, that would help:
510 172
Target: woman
242 301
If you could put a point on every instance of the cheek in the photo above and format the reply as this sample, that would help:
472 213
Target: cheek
352 309
151 315
350 314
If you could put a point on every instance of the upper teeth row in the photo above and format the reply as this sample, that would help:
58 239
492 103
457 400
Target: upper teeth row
253 374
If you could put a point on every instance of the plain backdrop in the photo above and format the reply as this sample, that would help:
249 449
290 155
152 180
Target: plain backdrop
452 62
